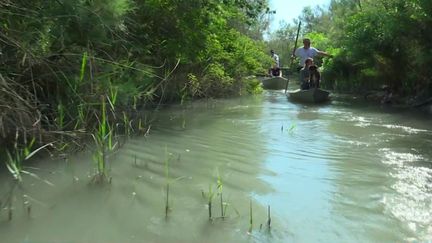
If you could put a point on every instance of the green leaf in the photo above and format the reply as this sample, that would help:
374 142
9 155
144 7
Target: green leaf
83 65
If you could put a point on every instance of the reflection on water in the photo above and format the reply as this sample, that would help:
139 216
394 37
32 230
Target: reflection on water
339 172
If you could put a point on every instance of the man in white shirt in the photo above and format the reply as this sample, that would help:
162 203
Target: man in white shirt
307 51
275 58
275 69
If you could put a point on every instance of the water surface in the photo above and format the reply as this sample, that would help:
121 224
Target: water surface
345 171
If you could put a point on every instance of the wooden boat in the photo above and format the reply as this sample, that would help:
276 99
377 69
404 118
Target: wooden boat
314 95
274 83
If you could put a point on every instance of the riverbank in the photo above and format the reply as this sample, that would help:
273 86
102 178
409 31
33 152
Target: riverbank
381 97
90 62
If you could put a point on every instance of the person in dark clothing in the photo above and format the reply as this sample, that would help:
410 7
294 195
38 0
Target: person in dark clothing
314 77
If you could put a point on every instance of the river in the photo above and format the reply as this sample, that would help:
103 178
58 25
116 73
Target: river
346 171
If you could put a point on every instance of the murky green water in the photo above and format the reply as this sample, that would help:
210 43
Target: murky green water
340 172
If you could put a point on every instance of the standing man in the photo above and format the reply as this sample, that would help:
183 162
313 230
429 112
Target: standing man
275 69
307 51
275 58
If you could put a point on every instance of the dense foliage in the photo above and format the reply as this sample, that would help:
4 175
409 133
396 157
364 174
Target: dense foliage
59 57
375 43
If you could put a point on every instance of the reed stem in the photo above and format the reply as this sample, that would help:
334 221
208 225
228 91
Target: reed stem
268 217
167 201
221 204
250 216
210 209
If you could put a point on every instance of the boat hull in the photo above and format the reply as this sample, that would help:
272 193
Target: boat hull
275 83
314 95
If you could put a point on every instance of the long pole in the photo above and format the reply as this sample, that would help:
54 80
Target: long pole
295 47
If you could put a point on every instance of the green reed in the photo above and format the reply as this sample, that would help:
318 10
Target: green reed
113 91
135 102
83 65
223 205
210 196
250 216
103 140
15 165
14 162
292 128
